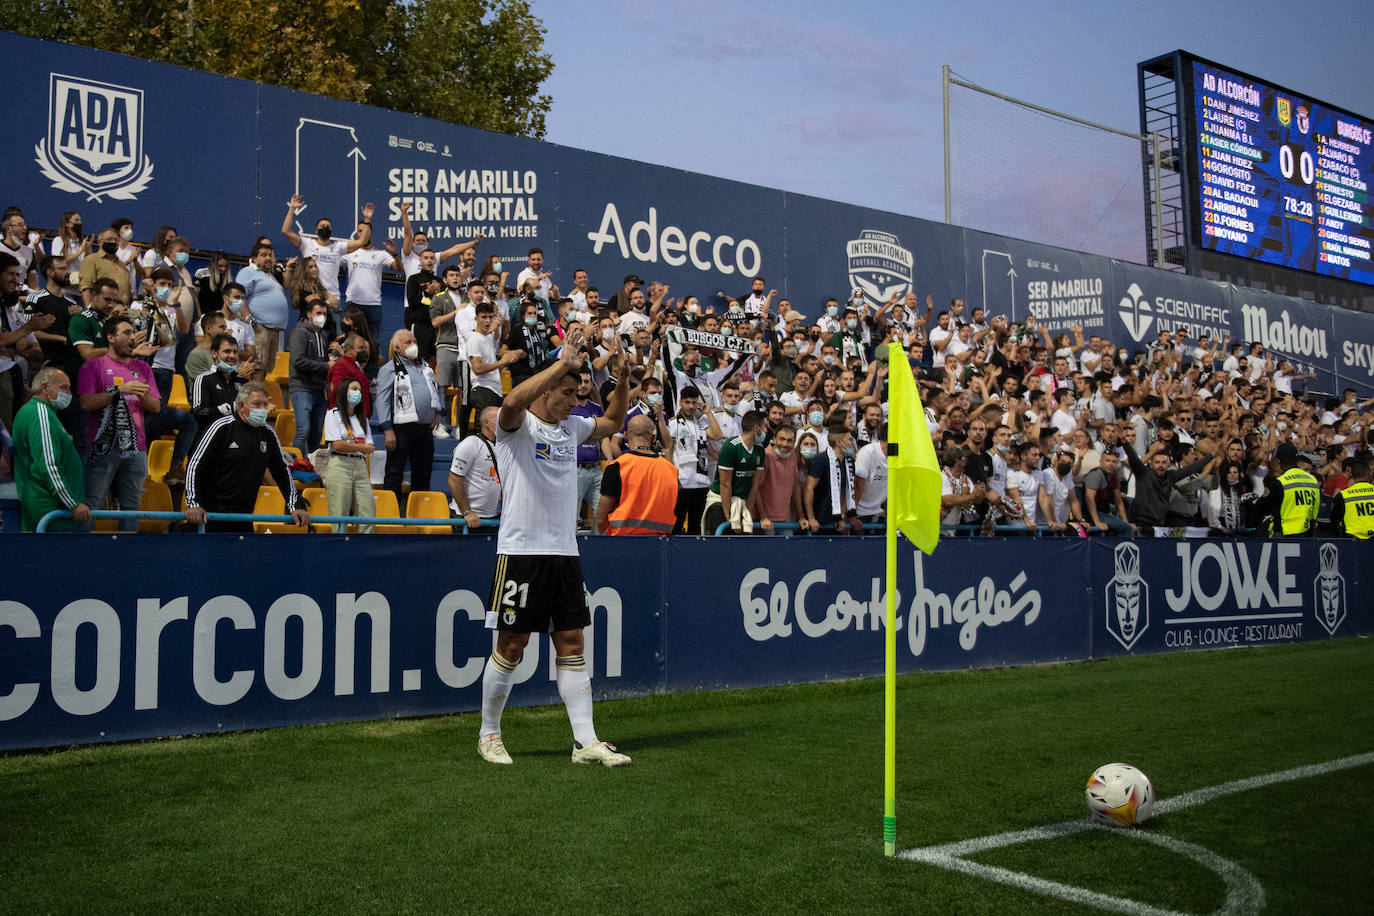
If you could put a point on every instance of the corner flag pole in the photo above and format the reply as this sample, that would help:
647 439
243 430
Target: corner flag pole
890 698
913 508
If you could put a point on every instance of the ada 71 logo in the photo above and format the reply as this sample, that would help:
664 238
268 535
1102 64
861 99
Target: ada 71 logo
94 142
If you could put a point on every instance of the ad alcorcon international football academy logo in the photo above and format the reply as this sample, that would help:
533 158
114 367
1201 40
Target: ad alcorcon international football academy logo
879 265
1128 598
94 143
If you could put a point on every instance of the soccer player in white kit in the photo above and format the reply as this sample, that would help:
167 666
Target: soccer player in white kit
538 585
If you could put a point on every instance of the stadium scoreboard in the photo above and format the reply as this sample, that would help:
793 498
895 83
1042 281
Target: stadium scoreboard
1279 177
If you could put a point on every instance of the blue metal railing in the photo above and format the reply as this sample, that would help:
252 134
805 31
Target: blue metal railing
881 528
248 517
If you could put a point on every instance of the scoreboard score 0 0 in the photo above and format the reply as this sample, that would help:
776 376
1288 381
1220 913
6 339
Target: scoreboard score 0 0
1281 178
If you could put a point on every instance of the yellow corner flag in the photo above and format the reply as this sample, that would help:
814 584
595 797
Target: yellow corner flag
913 473
913 507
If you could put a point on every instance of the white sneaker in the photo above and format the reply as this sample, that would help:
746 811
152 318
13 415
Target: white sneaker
602 752
493 750
441 433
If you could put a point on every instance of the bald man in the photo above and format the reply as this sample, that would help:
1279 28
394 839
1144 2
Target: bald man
638 489
409 407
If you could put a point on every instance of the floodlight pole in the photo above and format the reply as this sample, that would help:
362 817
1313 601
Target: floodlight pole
1159 202
944 79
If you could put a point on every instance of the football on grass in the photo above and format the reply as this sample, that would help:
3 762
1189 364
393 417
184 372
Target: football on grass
1119 795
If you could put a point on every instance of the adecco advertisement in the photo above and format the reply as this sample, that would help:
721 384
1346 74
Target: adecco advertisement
218 158
221 634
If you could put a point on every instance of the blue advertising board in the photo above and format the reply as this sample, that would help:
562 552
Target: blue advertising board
219 158
819 615
1060 288
223 633
1168 595
1292 329
1152 300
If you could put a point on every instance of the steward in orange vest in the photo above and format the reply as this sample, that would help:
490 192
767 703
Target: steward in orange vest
638 489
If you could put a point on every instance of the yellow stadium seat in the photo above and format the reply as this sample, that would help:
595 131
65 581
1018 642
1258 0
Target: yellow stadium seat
178 397
387 507
156 498
292 452
281 369
285 426
269 502
274 397
428 504
159 458
318 500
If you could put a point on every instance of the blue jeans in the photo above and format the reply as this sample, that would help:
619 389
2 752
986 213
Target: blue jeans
122 477
309 408
588 490
1115 525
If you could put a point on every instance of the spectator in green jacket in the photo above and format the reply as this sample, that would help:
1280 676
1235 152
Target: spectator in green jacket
47 469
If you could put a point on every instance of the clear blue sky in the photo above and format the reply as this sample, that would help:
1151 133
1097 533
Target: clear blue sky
842 100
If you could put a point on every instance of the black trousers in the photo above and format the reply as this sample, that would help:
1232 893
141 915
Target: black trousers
690 504
414 446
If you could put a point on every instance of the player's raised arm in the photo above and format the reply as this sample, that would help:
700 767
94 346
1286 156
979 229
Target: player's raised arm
527 392
619 401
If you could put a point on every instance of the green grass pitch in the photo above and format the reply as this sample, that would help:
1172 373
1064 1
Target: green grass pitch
752 801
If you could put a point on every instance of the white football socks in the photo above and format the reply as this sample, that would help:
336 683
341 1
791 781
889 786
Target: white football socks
575 687
496 678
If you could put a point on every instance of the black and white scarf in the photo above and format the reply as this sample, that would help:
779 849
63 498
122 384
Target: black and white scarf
1231 514
116 434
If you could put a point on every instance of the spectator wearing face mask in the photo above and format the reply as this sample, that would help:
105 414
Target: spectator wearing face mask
648 404
780 483
355 354
408 409
227 465
215 391
47 468
829 493
309 369
346 477
814 422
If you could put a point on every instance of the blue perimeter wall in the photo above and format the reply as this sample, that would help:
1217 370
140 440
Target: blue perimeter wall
114 136
221 635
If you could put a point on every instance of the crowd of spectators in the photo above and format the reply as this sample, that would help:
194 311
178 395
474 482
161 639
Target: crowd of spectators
775 416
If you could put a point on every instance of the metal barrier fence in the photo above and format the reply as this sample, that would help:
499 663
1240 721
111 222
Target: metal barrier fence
460 523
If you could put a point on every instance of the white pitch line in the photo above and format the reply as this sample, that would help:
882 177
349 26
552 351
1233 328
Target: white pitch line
1163 806
1202 796
1244 894
1049 888
1243 891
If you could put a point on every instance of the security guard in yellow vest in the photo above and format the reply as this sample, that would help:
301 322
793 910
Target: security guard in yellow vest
1352 511
1292 496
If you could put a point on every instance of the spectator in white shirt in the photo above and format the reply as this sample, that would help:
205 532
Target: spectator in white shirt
327 251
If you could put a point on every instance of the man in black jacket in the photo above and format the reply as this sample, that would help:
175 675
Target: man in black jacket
309 374
213 392
227 464
1154 483
420 286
